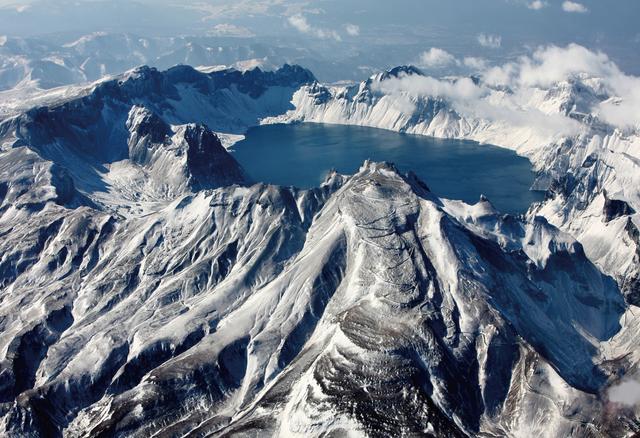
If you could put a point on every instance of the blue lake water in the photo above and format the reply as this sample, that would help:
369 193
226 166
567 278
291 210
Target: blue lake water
301 155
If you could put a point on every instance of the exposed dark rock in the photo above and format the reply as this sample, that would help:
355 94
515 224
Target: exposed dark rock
615 208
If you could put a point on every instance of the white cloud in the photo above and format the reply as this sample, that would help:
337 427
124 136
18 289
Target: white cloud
490 41
352 29
476 101
550 65
500 75
626 393
300 23
570 6
537 5
526 78
436 58
616 95
478 64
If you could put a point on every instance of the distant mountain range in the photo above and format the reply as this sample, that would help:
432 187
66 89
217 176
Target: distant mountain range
39 63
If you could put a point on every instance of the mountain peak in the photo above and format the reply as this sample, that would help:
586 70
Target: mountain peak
402 70
193 150
207 160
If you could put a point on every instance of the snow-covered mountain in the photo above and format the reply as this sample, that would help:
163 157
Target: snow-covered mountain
590 167
147 288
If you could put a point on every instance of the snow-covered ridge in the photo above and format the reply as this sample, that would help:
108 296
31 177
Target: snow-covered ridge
147 287
565 128
268 310
145 137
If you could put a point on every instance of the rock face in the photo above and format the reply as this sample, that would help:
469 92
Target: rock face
615 208
146 288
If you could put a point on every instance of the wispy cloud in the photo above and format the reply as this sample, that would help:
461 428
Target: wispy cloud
570 6
300 23
490 41
537 5
352 29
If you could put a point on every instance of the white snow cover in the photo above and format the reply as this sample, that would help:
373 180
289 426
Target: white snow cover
563 108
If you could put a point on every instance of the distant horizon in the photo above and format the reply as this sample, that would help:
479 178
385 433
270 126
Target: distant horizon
353 34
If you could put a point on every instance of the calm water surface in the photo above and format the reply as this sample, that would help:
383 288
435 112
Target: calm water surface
301 155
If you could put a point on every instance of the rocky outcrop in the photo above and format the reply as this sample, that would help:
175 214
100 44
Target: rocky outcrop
191 158
616 208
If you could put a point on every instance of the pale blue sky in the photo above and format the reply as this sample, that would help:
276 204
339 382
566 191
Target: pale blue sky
374 33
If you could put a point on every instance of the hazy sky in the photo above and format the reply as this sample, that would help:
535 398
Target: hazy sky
398 29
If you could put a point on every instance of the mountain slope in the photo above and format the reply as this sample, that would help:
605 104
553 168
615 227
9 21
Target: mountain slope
299 312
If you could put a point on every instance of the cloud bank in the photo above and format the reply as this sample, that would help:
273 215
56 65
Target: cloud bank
614 96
